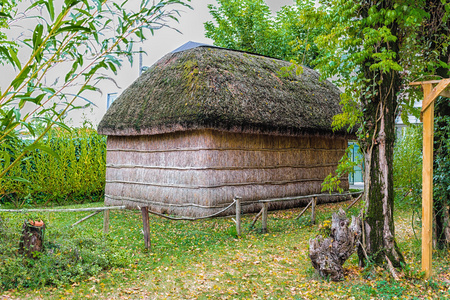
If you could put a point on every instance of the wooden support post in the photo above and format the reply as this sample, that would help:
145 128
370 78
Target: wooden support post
427 185
105 221
264 217
238 216
85 218
303 211
146 226
313 210
255 219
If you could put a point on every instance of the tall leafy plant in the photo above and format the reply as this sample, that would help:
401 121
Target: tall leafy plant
85 41
408 166
77 174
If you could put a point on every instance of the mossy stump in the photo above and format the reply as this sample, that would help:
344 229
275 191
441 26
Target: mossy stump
32 240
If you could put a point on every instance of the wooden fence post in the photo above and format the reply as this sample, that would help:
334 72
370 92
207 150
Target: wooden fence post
313 210
146 226
105 221
238 216
264 217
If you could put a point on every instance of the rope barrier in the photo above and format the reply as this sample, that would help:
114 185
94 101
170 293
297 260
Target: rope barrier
190 218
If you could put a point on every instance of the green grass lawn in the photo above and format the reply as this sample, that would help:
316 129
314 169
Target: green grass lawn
205 260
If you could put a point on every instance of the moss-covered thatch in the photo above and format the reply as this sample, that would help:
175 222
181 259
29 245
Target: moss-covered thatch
214 88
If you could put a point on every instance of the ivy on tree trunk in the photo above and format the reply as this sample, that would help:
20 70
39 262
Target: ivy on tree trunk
379 104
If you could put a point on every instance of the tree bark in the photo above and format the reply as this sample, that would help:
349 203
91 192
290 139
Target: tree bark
329 254
379 104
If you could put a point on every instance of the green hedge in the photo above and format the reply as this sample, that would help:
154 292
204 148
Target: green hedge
78 175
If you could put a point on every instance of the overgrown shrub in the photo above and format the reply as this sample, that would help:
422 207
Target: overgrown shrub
441 178
408 166
69 256
75 174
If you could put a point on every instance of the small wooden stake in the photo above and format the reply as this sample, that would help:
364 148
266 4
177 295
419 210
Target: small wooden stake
264 218
146 226
238 216
313 210
105 221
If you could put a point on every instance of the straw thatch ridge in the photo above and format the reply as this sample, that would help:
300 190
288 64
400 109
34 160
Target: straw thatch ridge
214 88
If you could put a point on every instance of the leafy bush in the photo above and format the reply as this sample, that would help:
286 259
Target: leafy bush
441 178
74 173
69 256
408 166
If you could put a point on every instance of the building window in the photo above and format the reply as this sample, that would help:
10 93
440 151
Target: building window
110 99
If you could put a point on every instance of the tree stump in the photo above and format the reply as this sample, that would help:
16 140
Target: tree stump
32 239
329 254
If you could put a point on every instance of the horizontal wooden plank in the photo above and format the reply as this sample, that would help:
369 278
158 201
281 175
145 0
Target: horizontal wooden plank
415 83
428 99
307 196
64 209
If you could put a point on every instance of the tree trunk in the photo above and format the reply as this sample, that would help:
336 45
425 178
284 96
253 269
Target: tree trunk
32 240
379 103
329 254
378 222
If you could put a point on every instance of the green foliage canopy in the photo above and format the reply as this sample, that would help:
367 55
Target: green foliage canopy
248 25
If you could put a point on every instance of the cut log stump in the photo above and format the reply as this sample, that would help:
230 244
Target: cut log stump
329 254
32 240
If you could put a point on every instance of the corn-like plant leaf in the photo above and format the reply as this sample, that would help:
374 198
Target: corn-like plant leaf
21 77
5 159
5 15
37 41
40 146
72 28
50 8
19 179
29 127
14 58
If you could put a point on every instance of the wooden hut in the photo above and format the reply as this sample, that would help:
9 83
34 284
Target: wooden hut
206 124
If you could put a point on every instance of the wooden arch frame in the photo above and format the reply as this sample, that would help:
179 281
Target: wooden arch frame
430 93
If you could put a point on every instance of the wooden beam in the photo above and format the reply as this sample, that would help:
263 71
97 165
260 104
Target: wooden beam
425 82
146 227
264 217
85 218
256 219
238 216
432 95
445 93
313 210
303 211
105 221
427 178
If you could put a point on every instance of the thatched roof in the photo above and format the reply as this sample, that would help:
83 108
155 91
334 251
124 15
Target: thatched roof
215 88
